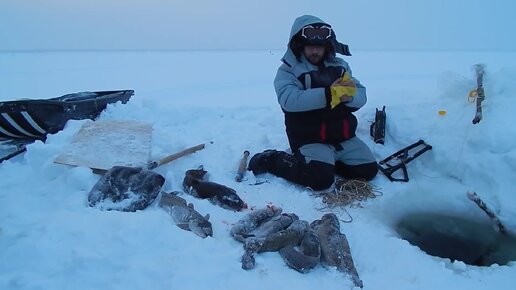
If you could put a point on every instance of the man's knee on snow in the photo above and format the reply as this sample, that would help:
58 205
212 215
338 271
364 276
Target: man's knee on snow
365 171
293 167
318 175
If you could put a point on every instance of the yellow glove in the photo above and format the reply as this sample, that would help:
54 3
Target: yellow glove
341 88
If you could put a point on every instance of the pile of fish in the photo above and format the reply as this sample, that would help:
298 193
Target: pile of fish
300 244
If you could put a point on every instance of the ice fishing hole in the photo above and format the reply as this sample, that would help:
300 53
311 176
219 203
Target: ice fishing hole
456 238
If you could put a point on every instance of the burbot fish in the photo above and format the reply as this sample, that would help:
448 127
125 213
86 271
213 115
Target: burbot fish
221 195
185 216
335 249
304 257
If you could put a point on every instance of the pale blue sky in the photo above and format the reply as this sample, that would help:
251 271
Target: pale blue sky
263 24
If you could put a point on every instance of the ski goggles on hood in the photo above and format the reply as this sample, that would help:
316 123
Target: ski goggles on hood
311 32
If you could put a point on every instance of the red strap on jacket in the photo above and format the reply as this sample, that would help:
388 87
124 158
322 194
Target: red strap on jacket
323 132
345 129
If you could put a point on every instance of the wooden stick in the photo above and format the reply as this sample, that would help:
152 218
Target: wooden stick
154 164
475 198
242 166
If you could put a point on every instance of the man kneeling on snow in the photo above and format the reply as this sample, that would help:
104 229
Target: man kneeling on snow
317 94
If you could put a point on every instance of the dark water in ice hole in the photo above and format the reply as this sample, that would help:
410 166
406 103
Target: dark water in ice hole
472 242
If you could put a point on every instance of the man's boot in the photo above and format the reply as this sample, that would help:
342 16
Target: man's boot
264 162
315 174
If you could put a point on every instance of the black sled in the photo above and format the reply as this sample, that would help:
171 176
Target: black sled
34 119
25 121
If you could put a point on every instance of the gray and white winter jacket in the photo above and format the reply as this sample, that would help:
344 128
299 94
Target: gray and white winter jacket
303 91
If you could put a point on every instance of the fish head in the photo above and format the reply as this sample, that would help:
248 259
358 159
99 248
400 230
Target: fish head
331 219
234 202
273 210
201 227
196 173
193 176
328 223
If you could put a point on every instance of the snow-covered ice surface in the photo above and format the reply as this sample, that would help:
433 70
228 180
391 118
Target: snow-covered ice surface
51 239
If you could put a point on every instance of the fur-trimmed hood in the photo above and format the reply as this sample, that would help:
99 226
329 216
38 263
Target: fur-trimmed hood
300 22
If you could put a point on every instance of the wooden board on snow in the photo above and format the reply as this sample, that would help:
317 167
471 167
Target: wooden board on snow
104 144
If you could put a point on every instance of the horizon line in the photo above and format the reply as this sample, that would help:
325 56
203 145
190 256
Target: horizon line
242 49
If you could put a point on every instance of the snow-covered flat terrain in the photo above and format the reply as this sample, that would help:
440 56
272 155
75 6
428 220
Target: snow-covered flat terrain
51 239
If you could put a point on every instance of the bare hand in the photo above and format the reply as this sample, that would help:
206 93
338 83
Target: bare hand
345 98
